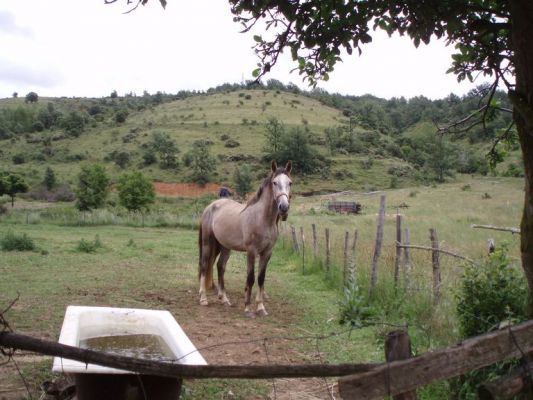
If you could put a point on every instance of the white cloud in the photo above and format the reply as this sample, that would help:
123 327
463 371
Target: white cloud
9 26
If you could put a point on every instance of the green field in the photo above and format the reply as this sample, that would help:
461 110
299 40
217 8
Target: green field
156 267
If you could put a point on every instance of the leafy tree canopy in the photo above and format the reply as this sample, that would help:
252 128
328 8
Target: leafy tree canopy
93 187
135 191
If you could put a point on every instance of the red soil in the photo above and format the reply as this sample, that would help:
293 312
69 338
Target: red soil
185 189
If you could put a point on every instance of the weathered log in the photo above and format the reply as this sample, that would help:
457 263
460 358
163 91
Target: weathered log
400 376
22 342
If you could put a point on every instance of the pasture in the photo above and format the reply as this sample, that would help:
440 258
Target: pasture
157 267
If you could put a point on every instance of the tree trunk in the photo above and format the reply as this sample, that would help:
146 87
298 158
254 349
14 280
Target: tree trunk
522 100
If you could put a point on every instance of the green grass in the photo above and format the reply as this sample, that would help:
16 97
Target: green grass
156 267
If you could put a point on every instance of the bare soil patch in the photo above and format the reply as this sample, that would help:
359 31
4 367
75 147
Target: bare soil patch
185 189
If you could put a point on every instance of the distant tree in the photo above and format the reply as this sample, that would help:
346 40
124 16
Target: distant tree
120 116
275 130
441 158
203 164
31 97
242 179
93 186
122 159
166 149
73 123
149 157
135 191
49 180
11 184
295 145
15 95
114 94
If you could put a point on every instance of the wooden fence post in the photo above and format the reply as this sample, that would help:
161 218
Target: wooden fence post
352 256
295 245
345 270
436 264
398 250
407 259
302 237
377 248
315 252
328 250
398 347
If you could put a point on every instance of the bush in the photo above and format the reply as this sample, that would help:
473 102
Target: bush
231 143
14 242
490 295
18 159
353 307
85 246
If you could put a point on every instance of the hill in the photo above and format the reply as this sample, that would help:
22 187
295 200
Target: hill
363 143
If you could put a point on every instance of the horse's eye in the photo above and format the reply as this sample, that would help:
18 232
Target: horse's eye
275 183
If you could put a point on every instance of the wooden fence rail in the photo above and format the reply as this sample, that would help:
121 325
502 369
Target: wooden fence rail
10 340
402 376
358 381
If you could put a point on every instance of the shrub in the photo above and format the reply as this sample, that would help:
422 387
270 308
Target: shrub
231 143
14 242
19 159
490 295
85 246
353 307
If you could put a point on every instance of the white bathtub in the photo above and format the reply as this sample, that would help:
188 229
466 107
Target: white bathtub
82 323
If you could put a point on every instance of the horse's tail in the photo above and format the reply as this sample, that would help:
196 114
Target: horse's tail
210 262
200 251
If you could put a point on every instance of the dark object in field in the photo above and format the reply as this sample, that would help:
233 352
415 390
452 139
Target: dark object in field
348 207
224 192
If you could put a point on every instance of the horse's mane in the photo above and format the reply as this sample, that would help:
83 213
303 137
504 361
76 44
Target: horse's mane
257 196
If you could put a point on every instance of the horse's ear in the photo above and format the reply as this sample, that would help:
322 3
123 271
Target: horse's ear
288 167
274 166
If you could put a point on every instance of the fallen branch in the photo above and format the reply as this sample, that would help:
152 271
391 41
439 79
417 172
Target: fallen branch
413 246
174 370
497 228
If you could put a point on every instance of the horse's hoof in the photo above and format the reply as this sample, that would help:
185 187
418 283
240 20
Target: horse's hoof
225 302
261 313
204 302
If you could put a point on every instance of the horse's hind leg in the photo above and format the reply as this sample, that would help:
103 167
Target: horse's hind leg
261 295
210 250
249 284
221 268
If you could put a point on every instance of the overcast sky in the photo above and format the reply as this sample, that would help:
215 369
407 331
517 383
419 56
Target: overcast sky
85 48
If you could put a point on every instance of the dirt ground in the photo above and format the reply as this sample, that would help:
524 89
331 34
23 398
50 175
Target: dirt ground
224 336
185 189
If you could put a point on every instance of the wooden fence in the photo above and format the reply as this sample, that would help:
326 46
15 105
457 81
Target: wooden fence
402 260
357 381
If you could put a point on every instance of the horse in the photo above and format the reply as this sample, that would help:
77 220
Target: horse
227 225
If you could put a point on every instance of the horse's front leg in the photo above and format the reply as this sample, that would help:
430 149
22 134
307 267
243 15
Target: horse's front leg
264 258
250 278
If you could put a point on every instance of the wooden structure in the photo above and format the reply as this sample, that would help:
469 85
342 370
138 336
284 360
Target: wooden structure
348 207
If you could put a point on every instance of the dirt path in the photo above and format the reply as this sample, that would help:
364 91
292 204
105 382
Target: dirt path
224 336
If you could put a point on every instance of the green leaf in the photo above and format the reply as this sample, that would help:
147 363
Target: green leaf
258 38
256 72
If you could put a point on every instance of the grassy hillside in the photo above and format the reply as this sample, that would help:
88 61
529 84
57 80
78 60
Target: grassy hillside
221 118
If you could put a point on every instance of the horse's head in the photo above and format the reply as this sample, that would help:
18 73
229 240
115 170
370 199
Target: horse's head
281 188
